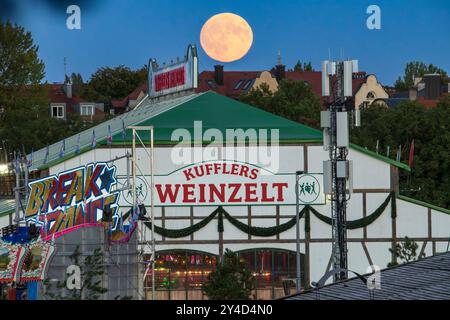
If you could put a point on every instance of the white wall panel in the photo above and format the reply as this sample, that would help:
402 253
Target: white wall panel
412 220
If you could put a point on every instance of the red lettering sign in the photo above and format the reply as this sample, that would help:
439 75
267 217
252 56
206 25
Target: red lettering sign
170 79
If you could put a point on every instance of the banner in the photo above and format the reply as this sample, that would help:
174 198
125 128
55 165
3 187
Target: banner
227 183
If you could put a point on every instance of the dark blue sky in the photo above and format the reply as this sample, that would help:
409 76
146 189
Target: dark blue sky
128 32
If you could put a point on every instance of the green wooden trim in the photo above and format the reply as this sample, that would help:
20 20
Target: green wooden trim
421 203
380 157
5 213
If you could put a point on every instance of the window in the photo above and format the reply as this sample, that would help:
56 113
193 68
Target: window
180 274
58 112
87 110
238 84
371 95
211 84
181 270
247 85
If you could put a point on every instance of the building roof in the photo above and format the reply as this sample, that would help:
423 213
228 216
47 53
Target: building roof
313 78
425 279
214 110
134 95
6 206
56 94
235 83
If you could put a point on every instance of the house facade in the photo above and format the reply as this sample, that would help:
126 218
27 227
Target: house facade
64 101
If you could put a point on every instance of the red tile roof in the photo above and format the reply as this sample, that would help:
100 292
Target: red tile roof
230 80
56 94
431 103
123 103
314 78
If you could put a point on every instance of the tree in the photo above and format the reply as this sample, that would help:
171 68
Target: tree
22 98
417 69
113 83
75 78
294 100
406 251
305 67
429 180
92 270
25 121
230 281
19 61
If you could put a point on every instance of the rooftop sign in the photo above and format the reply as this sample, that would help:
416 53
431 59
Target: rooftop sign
176 77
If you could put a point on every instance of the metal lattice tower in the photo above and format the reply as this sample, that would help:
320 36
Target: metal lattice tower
337 82
339 197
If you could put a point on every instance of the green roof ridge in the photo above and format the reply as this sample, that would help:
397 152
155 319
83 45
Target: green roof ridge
422 203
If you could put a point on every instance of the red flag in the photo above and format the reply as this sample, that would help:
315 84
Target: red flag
411 154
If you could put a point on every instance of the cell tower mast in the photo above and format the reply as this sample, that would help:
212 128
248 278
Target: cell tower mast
337 86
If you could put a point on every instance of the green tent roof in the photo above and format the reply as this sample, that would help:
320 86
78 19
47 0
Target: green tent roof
214 110
222 113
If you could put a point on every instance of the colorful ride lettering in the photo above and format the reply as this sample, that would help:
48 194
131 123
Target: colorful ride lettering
76 188
48 197
34 200
90 186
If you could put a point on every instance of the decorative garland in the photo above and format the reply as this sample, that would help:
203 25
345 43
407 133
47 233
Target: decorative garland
261 231
363 222
272 231
181 233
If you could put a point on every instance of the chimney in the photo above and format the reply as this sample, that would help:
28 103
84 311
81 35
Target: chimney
432 86
218 74
280 72
68 90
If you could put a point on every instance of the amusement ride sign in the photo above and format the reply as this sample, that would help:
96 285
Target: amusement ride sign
72 199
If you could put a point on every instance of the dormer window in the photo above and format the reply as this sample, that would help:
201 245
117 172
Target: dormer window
87 110
211 84
247 85
238 84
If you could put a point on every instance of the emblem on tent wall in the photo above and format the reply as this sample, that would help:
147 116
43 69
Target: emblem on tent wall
62 203
309 189
141 190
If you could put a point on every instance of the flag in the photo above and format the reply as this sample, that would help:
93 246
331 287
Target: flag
124 132
94 140
411 154
388 151
63 149
47 151
77 150
399 157
30 161
109 141
378 145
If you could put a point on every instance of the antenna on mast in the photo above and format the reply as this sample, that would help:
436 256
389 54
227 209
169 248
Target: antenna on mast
65 68
279 58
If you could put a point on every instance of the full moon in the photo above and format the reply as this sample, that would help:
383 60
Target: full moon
226 37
